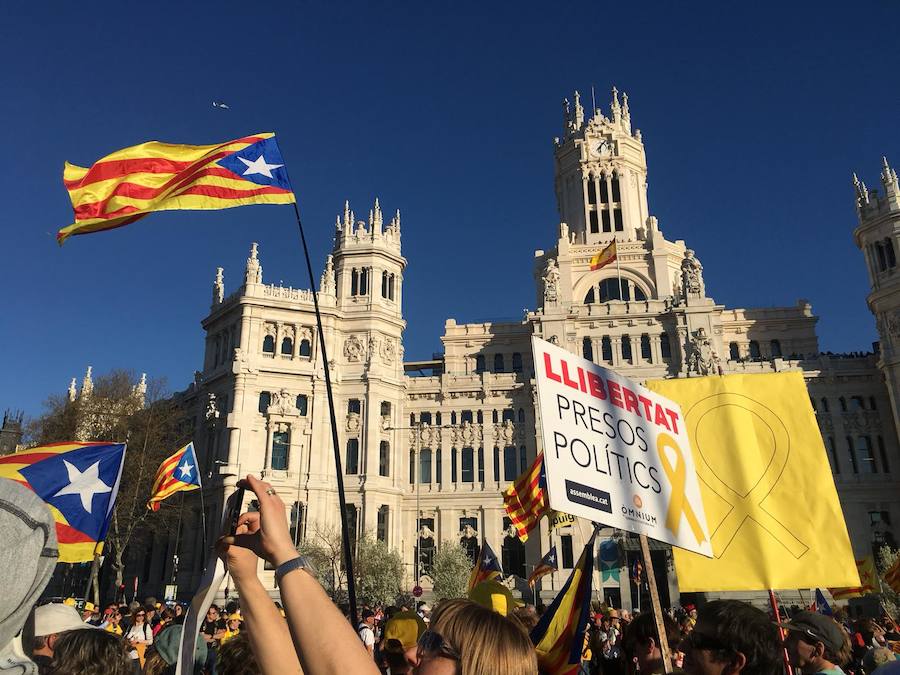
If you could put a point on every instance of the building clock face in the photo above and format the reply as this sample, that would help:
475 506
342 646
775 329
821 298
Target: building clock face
600 148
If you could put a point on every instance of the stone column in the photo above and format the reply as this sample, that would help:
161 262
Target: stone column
270 431
656 349
616 350
457 459
609 202
584 192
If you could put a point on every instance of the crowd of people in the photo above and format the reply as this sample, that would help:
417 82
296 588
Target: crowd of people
486 633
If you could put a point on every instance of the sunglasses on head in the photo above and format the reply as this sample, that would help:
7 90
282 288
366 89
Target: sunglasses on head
433 644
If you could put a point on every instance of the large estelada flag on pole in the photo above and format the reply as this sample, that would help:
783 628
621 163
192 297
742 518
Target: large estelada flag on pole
525 501
770 501
79 483
487 567
177 473
558 638
128 184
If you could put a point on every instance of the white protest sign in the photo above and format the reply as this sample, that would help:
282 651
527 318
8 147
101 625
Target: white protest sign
615 452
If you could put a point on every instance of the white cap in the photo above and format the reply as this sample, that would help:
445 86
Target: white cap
57 618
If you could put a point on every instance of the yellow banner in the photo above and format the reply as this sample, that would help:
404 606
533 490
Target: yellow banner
560 519
770 501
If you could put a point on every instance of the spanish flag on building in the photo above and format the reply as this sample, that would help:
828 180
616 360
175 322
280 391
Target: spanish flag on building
79 483
487 567
525 500
558 637
605 257
177 473
129 184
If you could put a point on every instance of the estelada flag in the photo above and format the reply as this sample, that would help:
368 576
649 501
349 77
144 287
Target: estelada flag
525 500
892 576
546 566
487 567
128 184
79 483
605 257
769 497
867 581
558 638
177 473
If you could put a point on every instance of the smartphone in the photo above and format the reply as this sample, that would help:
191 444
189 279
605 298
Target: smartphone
235 512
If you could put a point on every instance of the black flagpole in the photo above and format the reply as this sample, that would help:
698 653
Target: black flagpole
345 534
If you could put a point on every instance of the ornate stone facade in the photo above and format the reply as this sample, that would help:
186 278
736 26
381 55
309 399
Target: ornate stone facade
428 446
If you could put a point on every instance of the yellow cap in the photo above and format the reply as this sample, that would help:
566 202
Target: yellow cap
234 617
69 601
407 627
494 596
89 607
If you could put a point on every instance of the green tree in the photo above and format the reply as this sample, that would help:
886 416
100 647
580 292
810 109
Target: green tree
378 571
451 571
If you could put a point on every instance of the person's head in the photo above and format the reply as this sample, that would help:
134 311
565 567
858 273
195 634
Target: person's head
166 644
404 627
732 637
179 610
614 618
139 616
233 622
88 611
465 637
90 652
527 616
815 642
52 621
235 657
493 595
368 617
641 642
212 614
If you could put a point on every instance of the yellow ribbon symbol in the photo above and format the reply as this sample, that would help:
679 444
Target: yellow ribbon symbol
747 503
677 476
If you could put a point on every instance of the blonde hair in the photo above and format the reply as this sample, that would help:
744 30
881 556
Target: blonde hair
488 643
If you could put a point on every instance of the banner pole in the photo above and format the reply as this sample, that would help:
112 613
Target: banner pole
338 464
774 602
657 607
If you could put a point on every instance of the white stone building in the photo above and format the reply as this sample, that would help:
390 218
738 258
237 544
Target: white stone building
443 437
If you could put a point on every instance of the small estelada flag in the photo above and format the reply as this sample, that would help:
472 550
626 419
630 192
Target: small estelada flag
892 576
525 500
487 567
605 257
177 473
546 566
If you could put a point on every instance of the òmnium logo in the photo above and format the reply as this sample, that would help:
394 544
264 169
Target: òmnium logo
636 514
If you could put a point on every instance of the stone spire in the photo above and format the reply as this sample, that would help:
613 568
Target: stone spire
253 274
862 193
626 113
218 288
73 392
567 116
614 106
888 176
327 285
87 384
377 218
578 119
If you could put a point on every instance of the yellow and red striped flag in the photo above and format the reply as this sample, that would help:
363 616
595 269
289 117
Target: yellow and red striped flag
177 473
892 576
130 183
558 637
868 581
525 501
605 257
79 483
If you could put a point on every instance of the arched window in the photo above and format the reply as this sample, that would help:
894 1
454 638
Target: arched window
384 284
604 219
646 354
352 462
498 363
606 349
470 544
287 347
481 465
591 191
353 406
494 416
468 465
384 459
479 417
381 528
889 253
269 344
302 404
385 408
589 298
754 349
665 347
775 349
479 363
883 454
510 463
626 348
391 285
437 419
466 416
509 415
452 417
594 223
354 282
453 471
281 443
604 191
517 362
425 417
364 281
425 465
521 415
616 197
305 348
587 349
412 419
412 467
437 465
425 549
296 521
617 219
734 353
496 463
609 290
265 399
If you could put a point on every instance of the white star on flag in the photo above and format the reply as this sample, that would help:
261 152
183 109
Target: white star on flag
85 484
488 560
185 470
259 166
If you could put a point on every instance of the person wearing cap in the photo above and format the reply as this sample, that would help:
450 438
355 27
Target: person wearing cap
367 631
405 627
232 628
51 621
816 643
494 596
87 611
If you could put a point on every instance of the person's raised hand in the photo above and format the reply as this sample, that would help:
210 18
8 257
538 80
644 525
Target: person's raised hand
266 532
241 562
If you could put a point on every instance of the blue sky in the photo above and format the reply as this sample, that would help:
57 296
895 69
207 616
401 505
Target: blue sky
753 118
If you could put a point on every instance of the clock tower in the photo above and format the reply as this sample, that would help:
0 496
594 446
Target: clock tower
601 173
